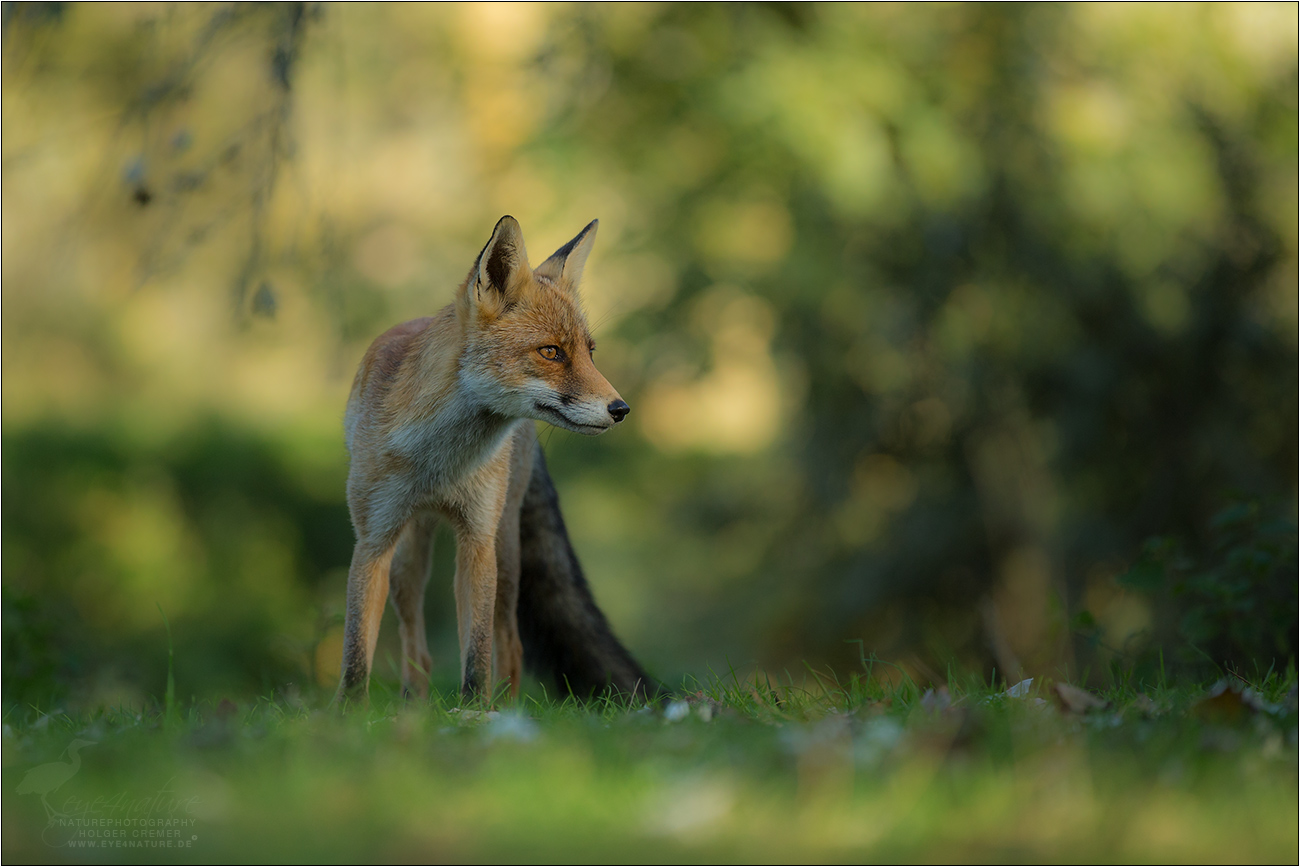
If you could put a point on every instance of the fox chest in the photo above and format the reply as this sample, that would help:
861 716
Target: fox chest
445 452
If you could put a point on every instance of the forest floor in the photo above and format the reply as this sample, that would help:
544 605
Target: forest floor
731 772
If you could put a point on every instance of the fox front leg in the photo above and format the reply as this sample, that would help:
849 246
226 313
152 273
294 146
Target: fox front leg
367 590
509 648
475 521
476 591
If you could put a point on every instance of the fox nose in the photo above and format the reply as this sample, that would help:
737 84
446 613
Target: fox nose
618 409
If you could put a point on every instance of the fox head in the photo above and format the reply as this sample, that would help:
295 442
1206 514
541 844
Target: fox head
528 350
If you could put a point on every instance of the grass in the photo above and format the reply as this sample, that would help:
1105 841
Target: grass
818 772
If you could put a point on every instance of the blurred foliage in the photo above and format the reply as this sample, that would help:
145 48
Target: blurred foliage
213 527
1232 603
927 318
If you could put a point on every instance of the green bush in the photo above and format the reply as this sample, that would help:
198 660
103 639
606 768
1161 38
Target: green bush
1229 601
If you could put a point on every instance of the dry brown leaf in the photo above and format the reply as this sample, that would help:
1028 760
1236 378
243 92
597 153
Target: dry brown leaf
1075 700
1229 701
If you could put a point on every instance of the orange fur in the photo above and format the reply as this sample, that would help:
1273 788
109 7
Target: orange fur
438 428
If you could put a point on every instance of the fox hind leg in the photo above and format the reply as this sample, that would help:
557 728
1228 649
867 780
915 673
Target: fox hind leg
408 576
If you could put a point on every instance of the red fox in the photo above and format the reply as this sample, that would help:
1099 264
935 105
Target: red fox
440 427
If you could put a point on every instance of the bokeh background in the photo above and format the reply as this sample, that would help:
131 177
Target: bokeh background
961 338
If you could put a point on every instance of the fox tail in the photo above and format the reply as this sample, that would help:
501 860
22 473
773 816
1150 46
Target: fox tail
566 638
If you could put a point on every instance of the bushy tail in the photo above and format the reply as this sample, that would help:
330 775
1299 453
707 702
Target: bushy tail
566 637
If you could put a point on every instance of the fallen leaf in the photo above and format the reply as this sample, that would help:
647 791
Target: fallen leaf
1228 701
1075 700
1020 690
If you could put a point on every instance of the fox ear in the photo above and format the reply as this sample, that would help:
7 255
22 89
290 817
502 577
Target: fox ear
564 268
503 259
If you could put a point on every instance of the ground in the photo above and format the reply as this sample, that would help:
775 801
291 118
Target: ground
818 771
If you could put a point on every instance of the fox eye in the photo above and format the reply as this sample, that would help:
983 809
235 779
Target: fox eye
551 353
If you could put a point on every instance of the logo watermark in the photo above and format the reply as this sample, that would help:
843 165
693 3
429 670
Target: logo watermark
161 819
